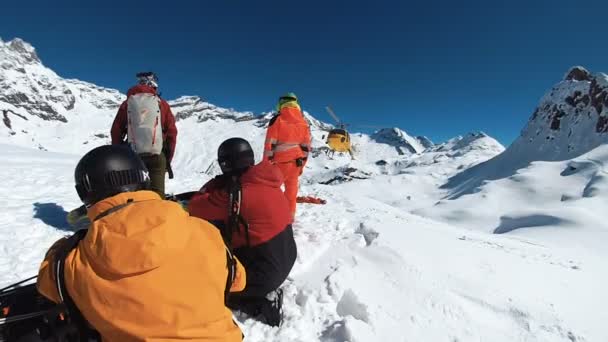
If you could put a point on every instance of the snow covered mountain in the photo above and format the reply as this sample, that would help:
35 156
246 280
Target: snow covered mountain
553 175
463 144
46 111
459 241
43 110
570 120
403 142
193 106
30 88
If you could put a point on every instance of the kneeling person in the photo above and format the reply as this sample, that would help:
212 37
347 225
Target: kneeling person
145 270
259 229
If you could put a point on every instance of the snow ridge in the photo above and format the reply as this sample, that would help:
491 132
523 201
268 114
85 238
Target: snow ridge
403 142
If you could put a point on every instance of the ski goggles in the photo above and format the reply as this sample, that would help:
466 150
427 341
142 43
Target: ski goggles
148 78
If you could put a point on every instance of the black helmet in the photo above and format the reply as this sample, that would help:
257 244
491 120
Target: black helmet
109 170
235 154
148 78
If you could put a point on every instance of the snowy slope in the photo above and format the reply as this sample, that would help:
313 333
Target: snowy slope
366 270
413 182
393 255
566 195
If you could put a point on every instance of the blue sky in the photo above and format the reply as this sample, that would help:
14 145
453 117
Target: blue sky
438 68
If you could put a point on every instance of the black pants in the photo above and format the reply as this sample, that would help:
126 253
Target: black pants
157 166
267 266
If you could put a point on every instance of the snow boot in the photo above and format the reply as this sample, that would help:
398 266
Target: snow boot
272 310
268 311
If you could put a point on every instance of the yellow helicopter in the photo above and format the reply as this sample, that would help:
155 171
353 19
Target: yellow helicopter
338 139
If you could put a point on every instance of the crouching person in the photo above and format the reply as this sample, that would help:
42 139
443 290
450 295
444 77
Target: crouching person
246 202
145 270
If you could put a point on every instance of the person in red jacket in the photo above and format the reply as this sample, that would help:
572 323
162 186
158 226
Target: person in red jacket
288 144
258 229
138 125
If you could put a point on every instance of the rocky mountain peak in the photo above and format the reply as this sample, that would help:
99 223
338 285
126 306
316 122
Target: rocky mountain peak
571 119
578 73
31 89
470 141
25 49
403 142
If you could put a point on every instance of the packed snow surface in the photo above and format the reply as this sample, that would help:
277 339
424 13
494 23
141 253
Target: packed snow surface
369 270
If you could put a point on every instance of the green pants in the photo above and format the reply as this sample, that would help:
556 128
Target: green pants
157 166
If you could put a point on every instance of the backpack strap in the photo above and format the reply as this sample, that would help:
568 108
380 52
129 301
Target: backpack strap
111 210
273 119
244 223
74 316
231 264
235 220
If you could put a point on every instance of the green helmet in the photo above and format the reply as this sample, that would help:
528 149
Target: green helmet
288 97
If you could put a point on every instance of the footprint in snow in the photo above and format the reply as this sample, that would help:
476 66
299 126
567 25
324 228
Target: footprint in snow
350 305
369 234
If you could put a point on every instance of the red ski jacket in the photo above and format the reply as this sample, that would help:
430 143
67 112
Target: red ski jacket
263 205
119 127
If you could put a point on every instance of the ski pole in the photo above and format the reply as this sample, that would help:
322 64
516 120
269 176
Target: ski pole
23 317
17 283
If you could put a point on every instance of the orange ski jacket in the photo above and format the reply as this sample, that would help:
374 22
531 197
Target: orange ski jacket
287 137
148 271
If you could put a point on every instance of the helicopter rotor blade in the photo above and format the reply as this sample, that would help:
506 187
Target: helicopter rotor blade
333 115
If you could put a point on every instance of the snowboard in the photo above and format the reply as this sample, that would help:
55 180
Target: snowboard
78 219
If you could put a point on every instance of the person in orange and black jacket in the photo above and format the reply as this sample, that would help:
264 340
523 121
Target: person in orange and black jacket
157 164
264 240
145 270
288 144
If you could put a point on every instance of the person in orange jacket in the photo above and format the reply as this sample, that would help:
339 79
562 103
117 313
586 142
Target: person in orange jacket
145 270
288 143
